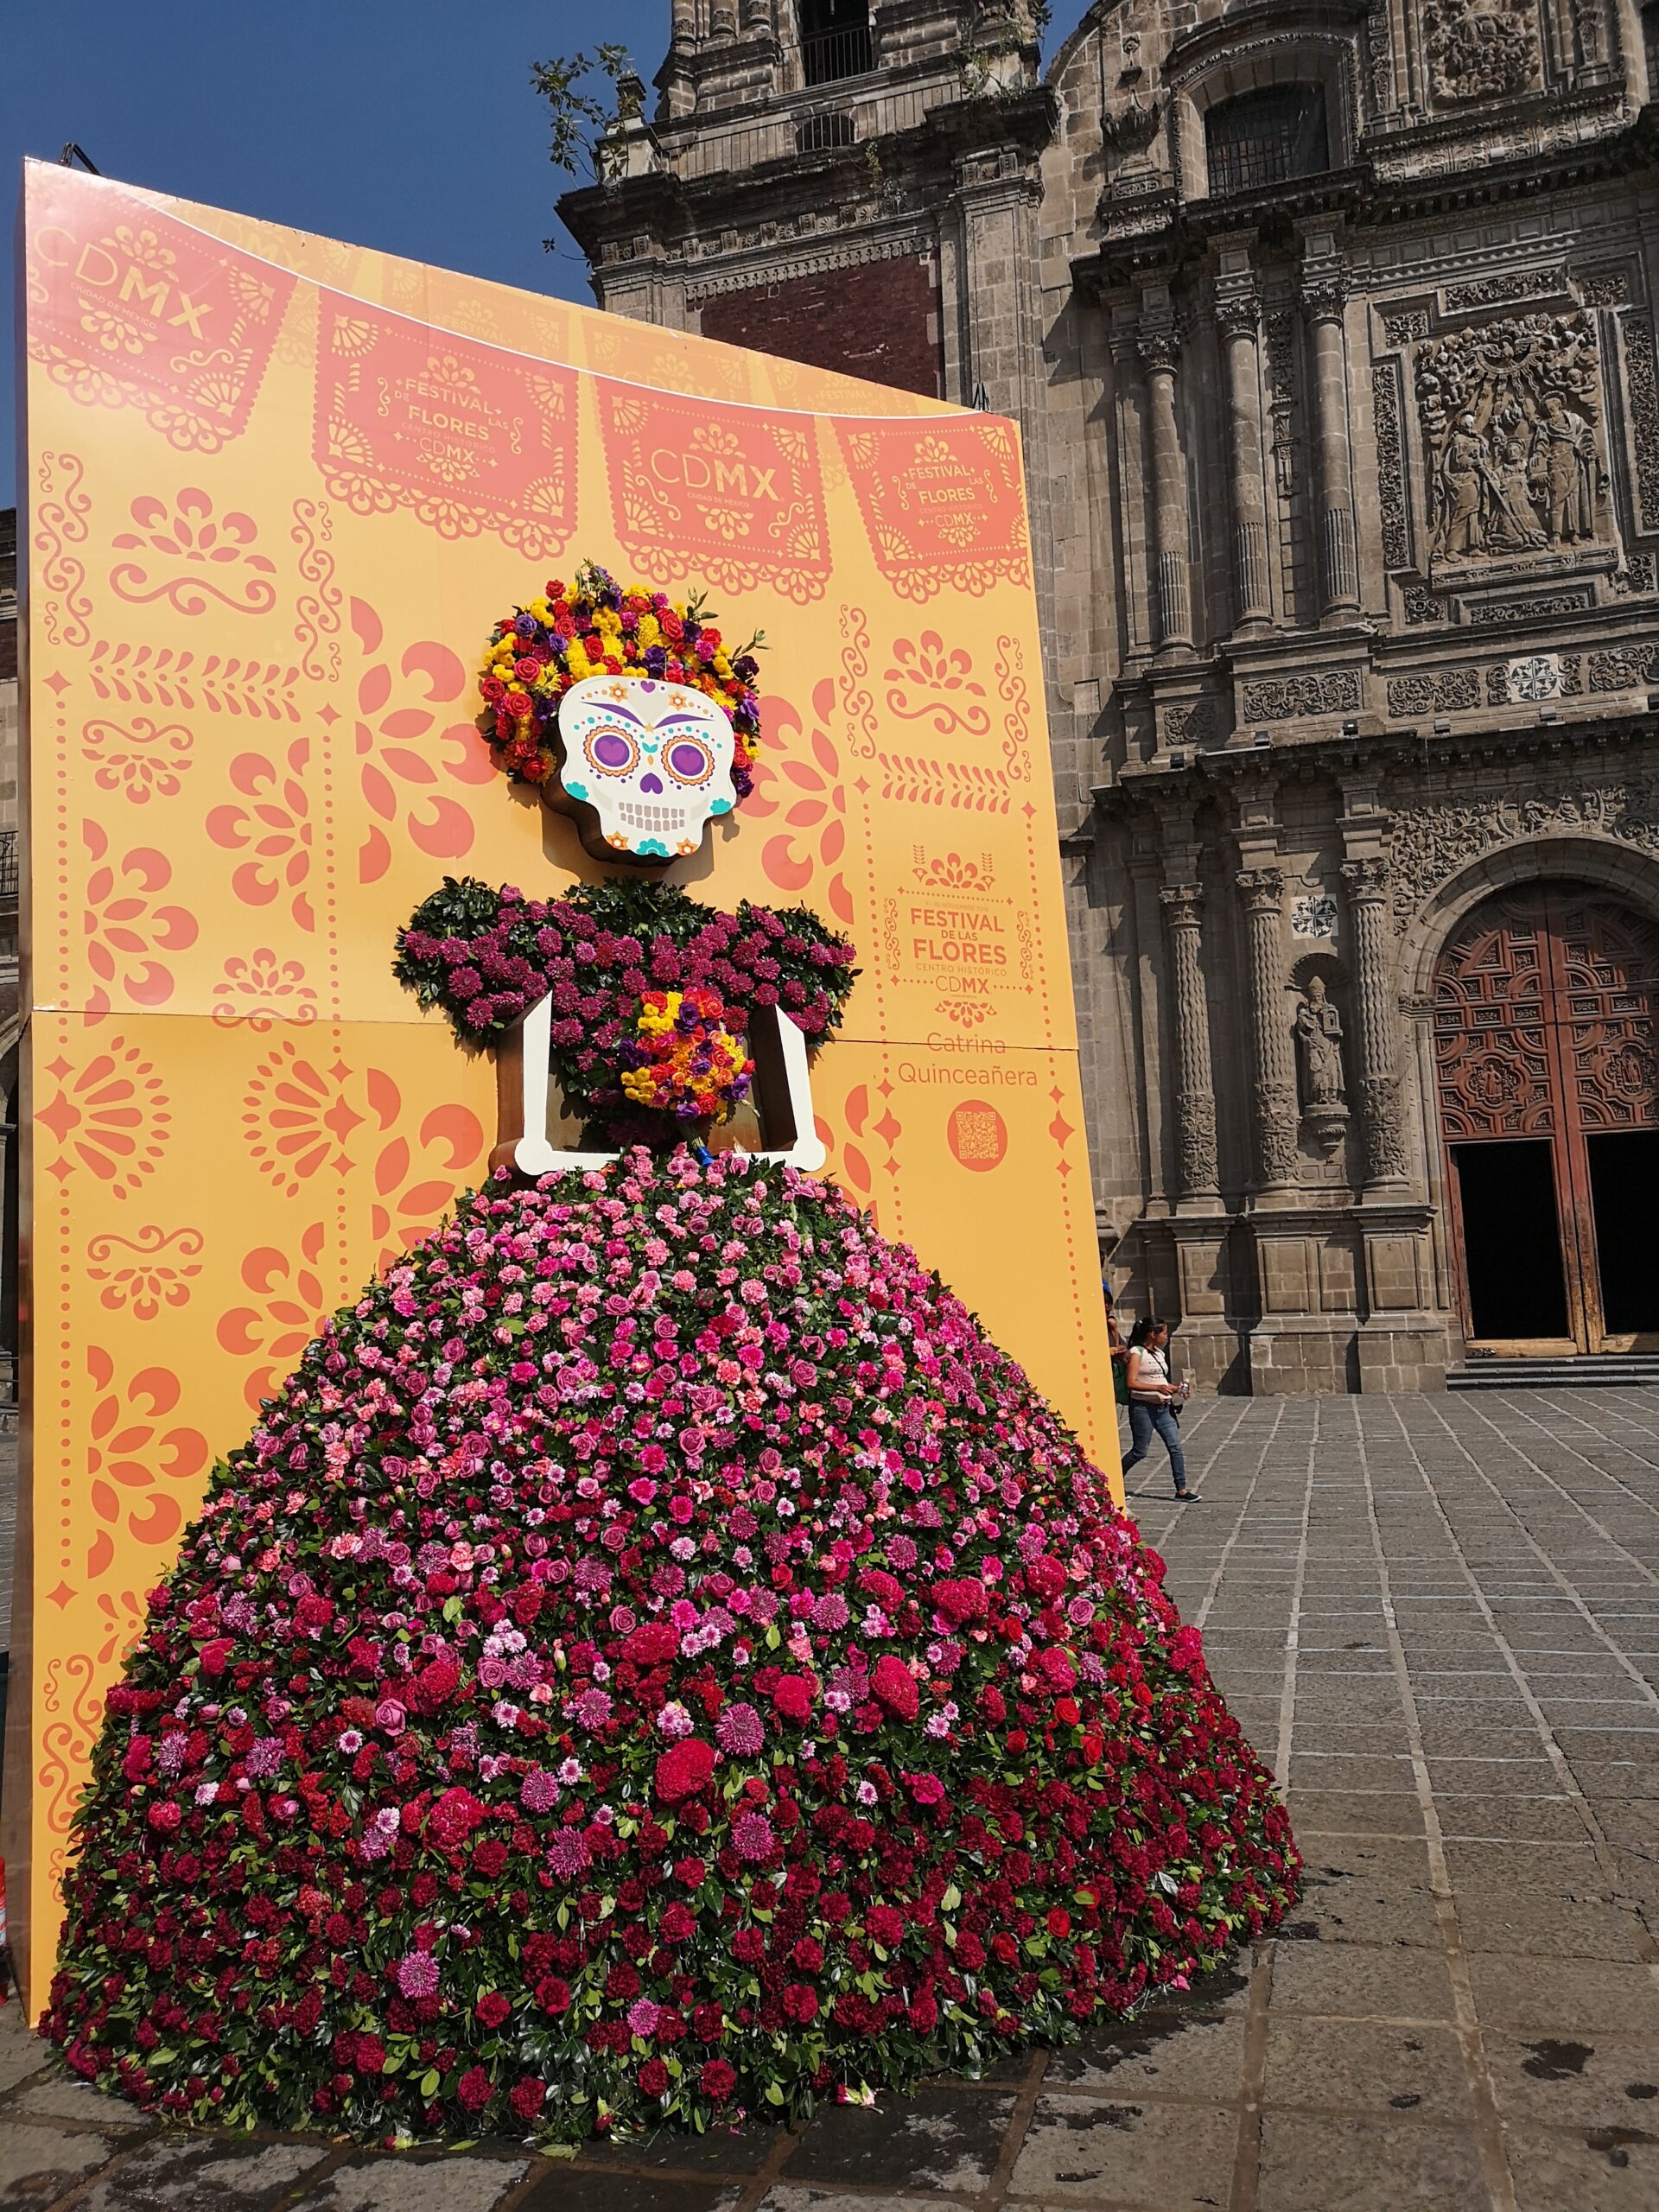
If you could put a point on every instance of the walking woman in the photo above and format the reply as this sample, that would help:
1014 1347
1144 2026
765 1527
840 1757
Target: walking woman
1152 1400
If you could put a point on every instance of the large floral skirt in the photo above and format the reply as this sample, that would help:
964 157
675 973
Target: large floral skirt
655 1660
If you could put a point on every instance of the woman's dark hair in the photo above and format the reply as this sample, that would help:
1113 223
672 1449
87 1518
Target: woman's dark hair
1148 1326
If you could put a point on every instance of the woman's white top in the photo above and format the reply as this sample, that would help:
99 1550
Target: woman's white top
1158 1362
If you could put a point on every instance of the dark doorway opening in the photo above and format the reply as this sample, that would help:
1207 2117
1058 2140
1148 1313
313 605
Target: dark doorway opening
1511 1240
1624 1194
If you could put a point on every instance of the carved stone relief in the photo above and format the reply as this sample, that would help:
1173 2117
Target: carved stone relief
1624 668
1497 291
1642 400
1480 49
1406 327
1431 843
1195 724
1537 606
1454 690
1510 417
1422 605
1533 677
1390 465
1279 698
1281 399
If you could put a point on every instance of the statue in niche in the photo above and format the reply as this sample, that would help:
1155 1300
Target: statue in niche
1318 1047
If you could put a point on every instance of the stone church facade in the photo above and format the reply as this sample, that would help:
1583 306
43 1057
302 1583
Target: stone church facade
1331 332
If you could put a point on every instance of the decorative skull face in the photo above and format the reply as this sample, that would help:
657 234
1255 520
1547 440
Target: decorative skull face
651 761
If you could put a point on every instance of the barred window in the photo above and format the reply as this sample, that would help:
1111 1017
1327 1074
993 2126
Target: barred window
1266 137
819 133
835 40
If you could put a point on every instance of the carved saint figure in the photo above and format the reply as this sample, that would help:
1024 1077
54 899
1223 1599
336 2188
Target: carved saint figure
1463 477
1514 523
1318 1038
1567 456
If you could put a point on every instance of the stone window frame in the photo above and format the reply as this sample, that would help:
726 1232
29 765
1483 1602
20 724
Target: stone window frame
1302 54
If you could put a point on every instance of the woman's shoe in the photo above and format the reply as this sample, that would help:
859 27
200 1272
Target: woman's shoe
1188 1497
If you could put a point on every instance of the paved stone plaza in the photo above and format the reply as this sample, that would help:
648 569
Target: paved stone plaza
1439 1619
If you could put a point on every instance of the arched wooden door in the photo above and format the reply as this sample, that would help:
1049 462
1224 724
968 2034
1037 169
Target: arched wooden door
1548 1088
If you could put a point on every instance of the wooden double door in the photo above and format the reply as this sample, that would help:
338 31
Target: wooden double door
1548 1093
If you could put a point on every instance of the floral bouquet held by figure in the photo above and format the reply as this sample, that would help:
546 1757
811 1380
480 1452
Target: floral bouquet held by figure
655 1660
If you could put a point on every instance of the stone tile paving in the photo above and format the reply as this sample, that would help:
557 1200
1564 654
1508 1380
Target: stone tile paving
1439 1620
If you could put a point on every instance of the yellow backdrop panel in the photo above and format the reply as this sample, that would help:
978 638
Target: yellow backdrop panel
278 491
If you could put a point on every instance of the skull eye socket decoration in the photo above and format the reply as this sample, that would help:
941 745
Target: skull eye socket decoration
645 766
625 708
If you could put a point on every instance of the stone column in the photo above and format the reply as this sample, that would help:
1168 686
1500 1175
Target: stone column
1237 316
1195 1090
1375 1050
1323 295
756 17
1160 348
1272 1052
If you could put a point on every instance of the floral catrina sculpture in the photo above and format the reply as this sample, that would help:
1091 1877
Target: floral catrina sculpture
655 1660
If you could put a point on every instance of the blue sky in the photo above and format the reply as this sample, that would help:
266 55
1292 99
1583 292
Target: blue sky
408 127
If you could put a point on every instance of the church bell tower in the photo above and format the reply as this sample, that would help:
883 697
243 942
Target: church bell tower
847 183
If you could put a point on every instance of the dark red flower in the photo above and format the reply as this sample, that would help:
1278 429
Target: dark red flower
717 2081
684 1770
792 1697
474 2089
527 2097
894 1686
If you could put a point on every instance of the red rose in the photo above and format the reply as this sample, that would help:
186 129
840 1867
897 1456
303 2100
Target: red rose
717 2080
894 1686
684 1770
1005 1948
553 1995
216 1656
528 2097
800 2004
651 1644
653 2078
793 1698
1059 1922
690 1871
493 2008
961 1601
474 2089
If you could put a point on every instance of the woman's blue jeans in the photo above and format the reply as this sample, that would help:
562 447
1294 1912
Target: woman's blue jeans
1142 1421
